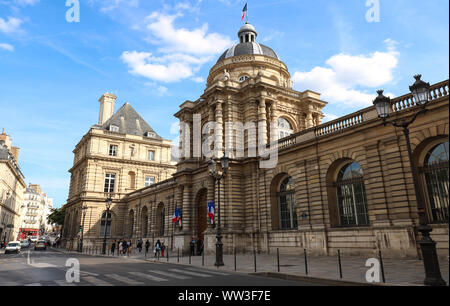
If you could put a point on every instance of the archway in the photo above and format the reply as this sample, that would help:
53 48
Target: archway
202 210
130 224
144 222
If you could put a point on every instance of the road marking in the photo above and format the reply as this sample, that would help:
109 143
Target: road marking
124 279
96 281
150 277
169 274
34 285
64 283
207 271
190 273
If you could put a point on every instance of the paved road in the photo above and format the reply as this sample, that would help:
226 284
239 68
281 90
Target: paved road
48 268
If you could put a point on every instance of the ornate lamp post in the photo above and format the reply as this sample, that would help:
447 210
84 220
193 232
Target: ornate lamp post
218 176
84 210
420 91
108 206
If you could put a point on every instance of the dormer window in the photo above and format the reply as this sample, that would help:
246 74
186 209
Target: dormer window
114 128
150 135
243 78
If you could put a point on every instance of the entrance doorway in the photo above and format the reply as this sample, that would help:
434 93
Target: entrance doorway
202 210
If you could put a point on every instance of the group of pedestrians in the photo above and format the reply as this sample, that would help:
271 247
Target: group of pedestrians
196 243
123 246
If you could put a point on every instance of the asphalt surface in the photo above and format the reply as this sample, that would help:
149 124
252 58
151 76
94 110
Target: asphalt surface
49 268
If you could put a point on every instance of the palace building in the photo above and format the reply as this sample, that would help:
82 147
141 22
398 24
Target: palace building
345 184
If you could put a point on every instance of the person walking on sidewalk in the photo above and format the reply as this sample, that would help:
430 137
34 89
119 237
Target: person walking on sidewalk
139 246
129 248
163 248
113 247
147 246
192 246
157 248
121 247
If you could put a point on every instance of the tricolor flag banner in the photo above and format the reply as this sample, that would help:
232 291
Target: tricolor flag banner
211 213
177 216
244 11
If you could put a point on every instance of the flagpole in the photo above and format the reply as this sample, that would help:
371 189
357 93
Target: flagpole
247 12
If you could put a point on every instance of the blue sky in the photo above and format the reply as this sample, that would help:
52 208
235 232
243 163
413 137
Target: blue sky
156 54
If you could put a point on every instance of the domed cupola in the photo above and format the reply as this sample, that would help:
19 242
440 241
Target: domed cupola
247 45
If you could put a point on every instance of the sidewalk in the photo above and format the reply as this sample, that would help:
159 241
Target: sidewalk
397 271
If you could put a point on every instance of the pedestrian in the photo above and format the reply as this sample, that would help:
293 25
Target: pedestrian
139 246
147 246
113 248
192 246
163 248
199 247
129 248
125 247
121 247
157 248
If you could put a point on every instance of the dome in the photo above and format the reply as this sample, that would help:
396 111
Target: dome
247 36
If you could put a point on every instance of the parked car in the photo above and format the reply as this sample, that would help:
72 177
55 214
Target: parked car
40 245
25 244
13 247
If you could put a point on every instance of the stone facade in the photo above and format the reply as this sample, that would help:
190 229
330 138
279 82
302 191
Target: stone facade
12 186
304 201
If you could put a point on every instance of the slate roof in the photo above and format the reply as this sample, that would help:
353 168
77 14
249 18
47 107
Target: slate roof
248 48
129 122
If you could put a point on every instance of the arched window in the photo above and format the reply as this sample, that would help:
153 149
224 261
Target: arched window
243 78
131 223
286 205
436 177
144 222
105 225
160 221
285 129
351 195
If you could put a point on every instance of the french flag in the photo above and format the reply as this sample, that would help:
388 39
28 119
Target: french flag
211 213
244 11
177 216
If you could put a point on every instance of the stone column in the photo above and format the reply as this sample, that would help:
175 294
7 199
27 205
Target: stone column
309 120
262 138
219 130
187 209
274 122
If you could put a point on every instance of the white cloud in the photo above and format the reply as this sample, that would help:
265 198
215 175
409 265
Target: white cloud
329 117
7 47
350 80
183 51
198 80
26 2
10 26
110 5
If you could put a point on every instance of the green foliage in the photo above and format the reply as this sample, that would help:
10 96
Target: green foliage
57 216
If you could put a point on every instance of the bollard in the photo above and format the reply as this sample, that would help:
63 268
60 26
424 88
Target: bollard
278 259
254 258
382 266
340 264
235 259
306 262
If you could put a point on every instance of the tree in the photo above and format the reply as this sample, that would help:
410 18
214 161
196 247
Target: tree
57 216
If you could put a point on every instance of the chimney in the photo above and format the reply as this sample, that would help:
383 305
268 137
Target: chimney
15 153
107 102
6 140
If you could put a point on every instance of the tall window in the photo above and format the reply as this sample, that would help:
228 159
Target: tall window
436 177
149 180
284 128
110 180
105 221
287 213
113 150
151 155
352 196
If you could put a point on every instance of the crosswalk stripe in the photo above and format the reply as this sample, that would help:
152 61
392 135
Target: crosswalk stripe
96 281
64 283
207 271
34 285
150 277
190 273
169 274
124 279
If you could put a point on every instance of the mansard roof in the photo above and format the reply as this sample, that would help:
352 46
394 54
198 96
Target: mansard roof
128 121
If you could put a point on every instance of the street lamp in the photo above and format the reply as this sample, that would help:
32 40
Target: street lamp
84 210
108 206
420 91
212 167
